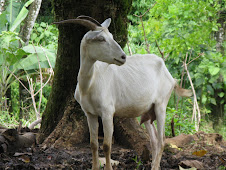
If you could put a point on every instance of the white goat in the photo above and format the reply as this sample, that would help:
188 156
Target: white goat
111 84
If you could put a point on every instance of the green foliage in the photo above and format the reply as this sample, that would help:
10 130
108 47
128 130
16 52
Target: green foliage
206 127
182 122
8 120
11 120
180 28
21 16
10 54
139 7
15 100
45 35
14 57
37 55
14 14
209 76
138 162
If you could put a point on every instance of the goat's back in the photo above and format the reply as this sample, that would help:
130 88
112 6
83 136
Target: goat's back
134 86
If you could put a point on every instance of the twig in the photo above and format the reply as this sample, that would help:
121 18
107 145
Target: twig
166 57
195 98
48 62
182 76
18 80
145 37
30 83
146 11
41 79
162 53
130 51
201 54
172 127
52 72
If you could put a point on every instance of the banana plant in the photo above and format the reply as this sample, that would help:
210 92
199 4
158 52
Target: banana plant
12 17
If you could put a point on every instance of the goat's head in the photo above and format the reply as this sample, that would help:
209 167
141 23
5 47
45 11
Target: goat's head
98 43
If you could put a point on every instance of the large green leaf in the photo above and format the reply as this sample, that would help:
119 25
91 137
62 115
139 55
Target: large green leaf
21 16
12 10
3 26
37 54
213 70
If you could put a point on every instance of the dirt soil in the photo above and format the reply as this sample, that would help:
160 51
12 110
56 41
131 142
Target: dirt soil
206 151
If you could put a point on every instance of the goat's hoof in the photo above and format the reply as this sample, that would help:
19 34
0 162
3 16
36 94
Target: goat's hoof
103 162
155 168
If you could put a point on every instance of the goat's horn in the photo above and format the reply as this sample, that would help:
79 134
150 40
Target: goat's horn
90 19
90 25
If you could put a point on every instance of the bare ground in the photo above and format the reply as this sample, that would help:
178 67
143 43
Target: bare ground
206 151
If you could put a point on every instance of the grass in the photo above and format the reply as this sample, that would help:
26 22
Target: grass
9 120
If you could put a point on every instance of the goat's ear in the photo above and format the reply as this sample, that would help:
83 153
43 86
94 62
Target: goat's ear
93 35
106 23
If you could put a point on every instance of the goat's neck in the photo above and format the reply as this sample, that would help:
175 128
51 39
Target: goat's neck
86 72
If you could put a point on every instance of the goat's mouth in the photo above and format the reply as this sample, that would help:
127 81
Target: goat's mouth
119 62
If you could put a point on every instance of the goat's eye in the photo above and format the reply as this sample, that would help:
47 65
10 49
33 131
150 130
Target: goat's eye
101 38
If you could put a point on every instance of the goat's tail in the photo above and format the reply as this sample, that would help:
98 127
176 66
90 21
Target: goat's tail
182 92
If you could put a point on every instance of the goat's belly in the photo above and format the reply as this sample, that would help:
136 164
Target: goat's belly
131 111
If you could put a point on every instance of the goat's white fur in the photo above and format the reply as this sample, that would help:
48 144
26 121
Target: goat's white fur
107 87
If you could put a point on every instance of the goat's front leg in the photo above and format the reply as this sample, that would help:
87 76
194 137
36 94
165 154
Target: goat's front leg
93 130
108 132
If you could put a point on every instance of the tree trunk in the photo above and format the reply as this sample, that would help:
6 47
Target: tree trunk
218 110
30 21
2 4
63 122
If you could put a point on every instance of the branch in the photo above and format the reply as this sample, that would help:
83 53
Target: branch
182 77
162 53
130 51
51 73
140 16
30 83
33 124
40 74
201 54
145 37
195 98
19 80
146 41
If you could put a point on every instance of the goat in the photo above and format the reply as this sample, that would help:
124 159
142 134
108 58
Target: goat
113 84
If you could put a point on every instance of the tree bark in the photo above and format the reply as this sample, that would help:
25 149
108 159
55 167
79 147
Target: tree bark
63 122
2 4
30 20
218 110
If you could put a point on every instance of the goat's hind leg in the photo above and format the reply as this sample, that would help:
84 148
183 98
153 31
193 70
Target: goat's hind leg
160 111
93 130
153 138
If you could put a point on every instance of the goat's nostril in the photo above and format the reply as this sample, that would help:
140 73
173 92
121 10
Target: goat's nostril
123 57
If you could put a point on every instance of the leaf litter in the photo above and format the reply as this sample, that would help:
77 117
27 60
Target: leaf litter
205 152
